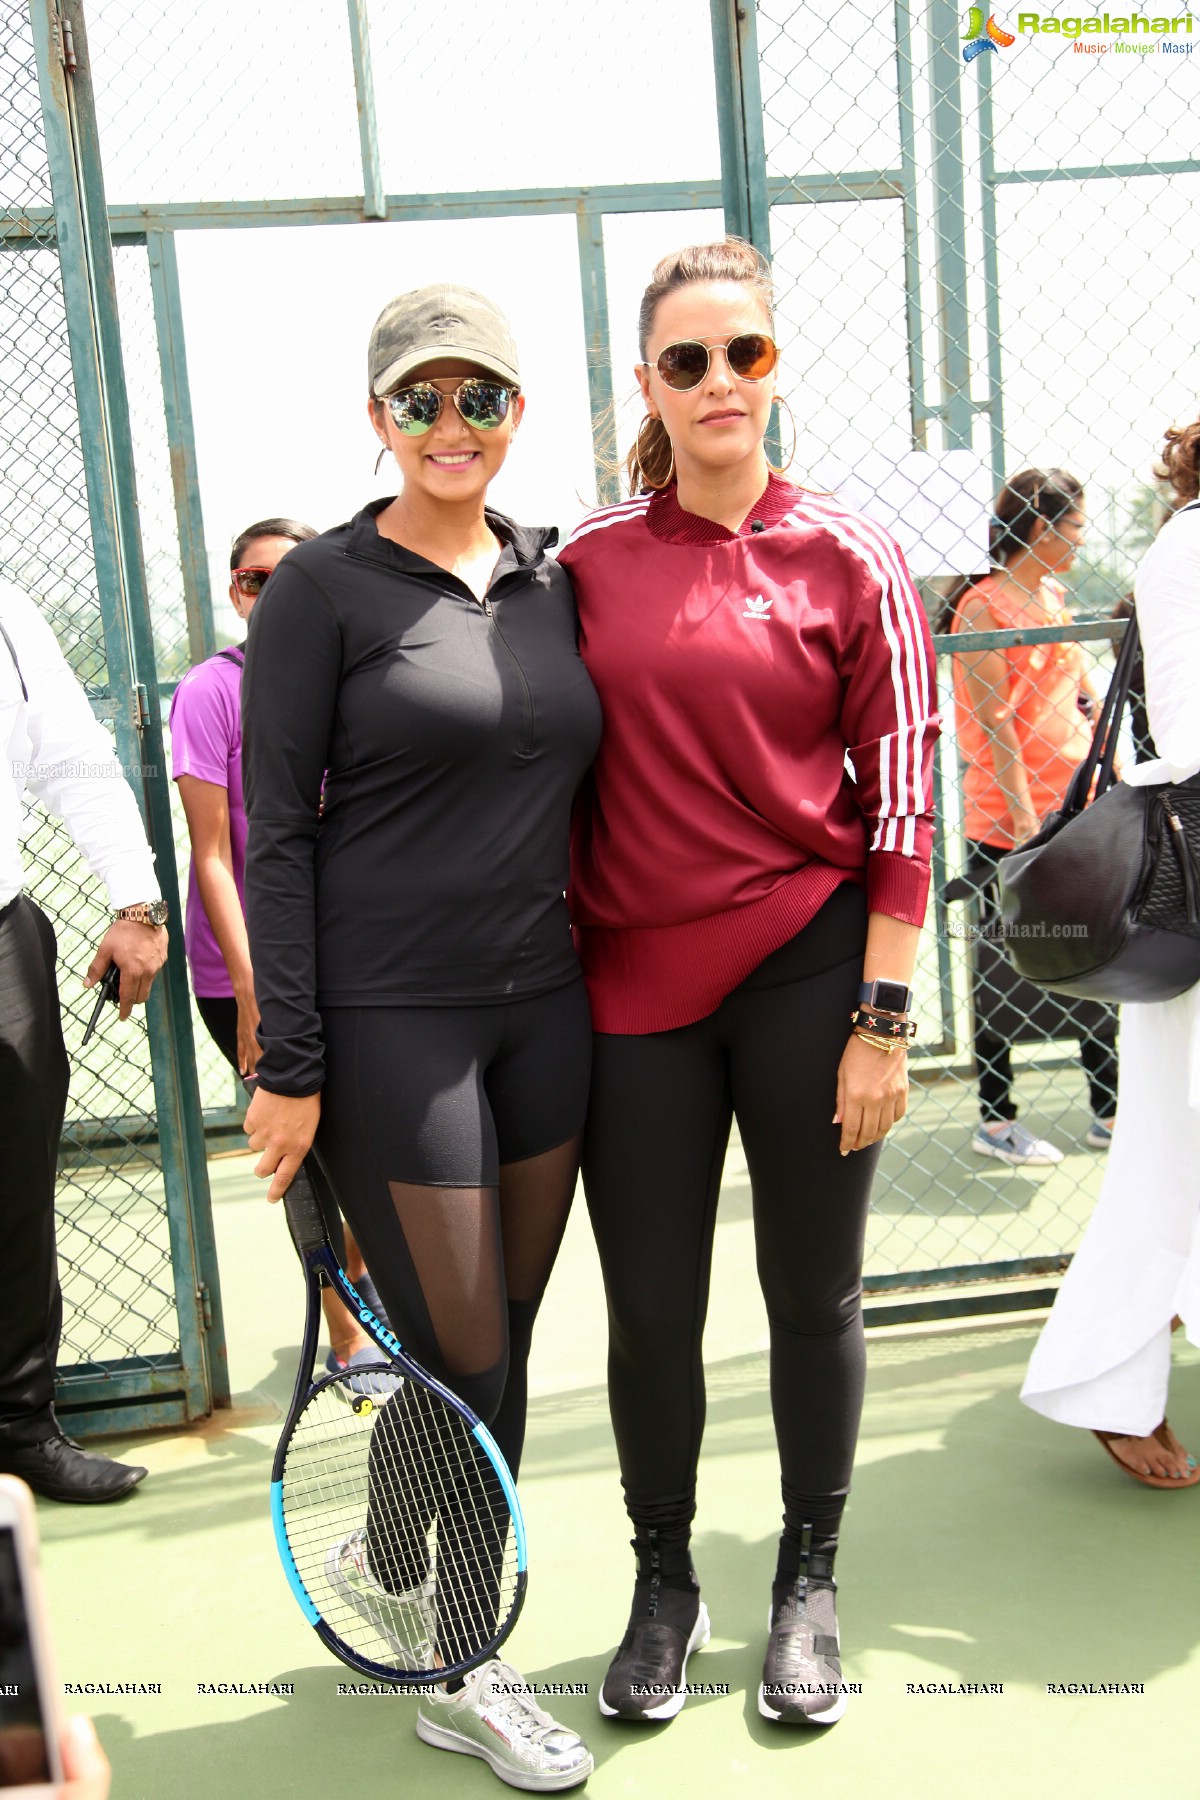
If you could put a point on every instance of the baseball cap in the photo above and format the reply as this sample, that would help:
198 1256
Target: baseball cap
435 321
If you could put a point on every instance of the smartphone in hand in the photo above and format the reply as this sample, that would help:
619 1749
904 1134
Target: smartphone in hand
31 1723
109 989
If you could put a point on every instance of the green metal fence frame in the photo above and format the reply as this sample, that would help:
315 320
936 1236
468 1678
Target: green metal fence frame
746 194
129 1393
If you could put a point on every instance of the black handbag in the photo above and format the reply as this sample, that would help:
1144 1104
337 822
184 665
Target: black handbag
1104 903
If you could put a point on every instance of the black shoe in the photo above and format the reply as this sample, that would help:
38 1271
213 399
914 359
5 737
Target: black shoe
802 1675
60 1469
646 1678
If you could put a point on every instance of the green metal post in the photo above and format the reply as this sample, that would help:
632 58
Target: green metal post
950 224
590 231
941 875
745 192
907 117
85 255
991 269
374 199
734 187
181 443
740 121
173 1054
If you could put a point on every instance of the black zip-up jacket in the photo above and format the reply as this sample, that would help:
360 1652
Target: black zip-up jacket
451 737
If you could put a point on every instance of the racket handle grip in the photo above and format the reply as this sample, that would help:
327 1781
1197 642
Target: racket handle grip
305 1219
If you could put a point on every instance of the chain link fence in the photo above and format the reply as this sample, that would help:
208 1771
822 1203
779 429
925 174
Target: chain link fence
992 252
220 1096
114 1242
128 1227
983 241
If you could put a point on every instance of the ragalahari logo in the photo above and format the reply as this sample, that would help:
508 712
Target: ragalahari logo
984 37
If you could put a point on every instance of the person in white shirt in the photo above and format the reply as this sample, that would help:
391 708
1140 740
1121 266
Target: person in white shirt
56 751
1103 1360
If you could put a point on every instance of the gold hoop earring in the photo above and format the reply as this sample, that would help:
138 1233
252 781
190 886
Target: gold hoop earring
783 405
642 478
383 452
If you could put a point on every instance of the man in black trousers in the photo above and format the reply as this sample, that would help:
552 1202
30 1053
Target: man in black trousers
53 748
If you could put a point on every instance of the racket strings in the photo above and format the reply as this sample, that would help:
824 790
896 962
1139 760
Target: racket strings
423 1452
400 1529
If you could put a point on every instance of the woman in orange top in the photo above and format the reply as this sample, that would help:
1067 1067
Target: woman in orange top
1023 717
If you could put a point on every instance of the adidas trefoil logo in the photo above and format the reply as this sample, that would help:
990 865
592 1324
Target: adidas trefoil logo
758 608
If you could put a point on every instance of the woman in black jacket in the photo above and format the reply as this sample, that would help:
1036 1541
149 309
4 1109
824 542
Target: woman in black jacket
424 1023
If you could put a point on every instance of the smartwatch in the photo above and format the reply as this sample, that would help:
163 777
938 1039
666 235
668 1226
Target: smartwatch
885 996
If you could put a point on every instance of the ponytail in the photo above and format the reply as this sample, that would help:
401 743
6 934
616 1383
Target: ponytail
650 464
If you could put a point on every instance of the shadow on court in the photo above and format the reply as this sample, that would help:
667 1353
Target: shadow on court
983 1544
991 1548
980 1538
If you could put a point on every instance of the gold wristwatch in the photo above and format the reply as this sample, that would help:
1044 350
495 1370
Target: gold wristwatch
146 912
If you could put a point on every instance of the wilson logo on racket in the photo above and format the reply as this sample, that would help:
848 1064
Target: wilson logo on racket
378 1327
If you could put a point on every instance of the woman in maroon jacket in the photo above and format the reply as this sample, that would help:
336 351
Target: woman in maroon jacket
740 896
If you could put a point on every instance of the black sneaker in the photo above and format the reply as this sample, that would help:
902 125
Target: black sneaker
802 1674
646 1678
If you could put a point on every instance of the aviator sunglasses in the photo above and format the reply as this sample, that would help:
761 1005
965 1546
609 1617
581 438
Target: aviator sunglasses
249 581
482 404
751 357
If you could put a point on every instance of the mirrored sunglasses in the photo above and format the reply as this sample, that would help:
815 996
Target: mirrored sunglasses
249 581
751 357
483 404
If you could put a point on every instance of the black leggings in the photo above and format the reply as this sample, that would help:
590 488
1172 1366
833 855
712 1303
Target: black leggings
658 1125
450 1136
220 1015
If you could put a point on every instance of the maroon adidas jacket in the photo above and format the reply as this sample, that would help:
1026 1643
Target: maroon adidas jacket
769 720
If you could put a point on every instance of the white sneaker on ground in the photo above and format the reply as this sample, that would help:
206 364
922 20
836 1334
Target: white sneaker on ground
1009 1142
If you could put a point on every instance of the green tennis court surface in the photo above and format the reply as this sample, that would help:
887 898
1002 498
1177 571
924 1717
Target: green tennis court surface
983 1547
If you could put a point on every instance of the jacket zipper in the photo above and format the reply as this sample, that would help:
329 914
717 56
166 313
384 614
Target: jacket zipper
526 747
527 744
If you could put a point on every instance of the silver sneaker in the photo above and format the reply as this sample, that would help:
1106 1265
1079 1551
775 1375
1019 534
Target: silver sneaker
1012 1144
407 1622
493 1715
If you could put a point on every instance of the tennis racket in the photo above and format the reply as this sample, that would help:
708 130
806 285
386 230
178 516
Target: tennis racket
395 1515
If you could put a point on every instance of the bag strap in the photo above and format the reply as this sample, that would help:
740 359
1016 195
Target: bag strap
16 665
1103 753
1098 764
1101 757
234 653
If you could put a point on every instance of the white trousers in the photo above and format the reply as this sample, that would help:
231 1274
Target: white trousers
1103 1358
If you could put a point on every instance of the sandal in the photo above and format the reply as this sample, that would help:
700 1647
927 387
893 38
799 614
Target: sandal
1168 1440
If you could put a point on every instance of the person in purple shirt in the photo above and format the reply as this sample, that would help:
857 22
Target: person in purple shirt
206 763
